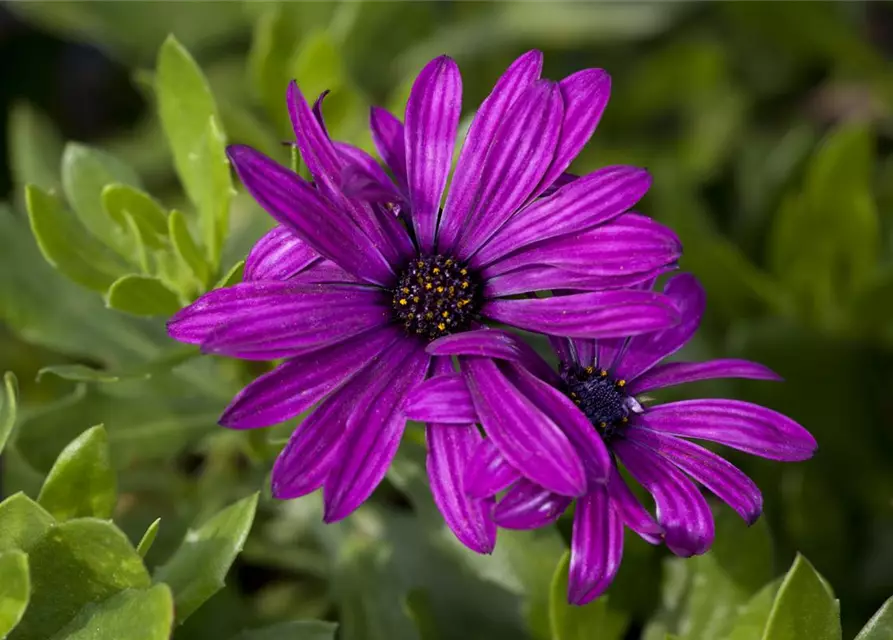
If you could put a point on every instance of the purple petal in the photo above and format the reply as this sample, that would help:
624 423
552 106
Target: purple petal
361 172
444 398
560 181
643 352
585 96
681 509
317 111
297 384
720 476
562 348
631 511
580 205
373 430
488 471
519 155
673 373
529 506
585 352
278 255
545 278
494 343
596 548
602 314
527 438
324 272
297 205
466 179
306 320
432 119
388 136
740 425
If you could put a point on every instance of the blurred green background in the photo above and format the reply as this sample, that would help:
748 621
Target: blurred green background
768 129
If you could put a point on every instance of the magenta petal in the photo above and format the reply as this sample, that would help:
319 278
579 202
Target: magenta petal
725 480
488 471
432 119
317 111
297 384
529 506
584 351
602 314
528 439
681 509
362 175
444 399
740 425
673 373
297 205
466 179
544 278
631 511
278 255
324 272
518 157
596 547
388 136
374 430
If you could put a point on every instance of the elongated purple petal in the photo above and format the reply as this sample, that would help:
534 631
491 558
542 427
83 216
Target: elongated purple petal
374 430
587 202
631 511
317 111
324 272
297 205
278 255
304 321
494 343
466 180
673 373
560 181
529 506
545 278
562 348
488 471
720 476
432 119
585 351
444 399
596 548
602 314
518 157
631 243
643 352
297 384
361 175
740 425
388 136
527 438
681 509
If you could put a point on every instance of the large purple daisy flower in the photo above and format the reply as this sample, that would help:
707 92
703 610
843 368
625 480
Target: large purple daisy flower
364 271
596 400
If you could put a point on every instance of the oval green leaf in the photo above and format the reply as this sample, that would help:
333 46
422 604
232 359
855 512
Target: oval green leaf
186 248
15 589
35 147
804 608
142 296
22 522
121 199
880 627
9 398
135 614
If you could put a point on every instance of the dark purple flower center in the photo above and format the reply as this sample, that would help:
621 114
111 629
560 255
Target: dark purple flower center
435 296
601 398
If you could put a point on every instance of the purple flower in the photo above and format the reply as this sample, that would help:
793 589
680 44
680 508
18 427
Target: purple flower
364 271
596 401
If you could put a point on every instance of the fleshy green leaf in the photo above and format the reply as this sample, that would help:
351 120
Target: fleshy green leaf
120 200
751 620
35 147
292 630
93 558
66 245
186 248
142 296
144 614
9 399
82 482
15 589
191 124
804 609
82 373
880 627
22 522
198 569
569 622
148 538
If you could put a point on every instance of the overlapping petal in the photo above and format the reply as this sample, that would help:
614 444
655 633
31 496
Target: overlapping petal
596 547
388 136
445 398
673 373
278 255
488 471
529 506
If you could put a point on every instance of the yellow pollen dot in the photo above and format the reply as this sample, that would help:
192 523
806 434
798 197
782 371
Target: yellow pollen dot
403 301
420 263
435 270
573 395
428 286
603 373
415 298
429 315
590 369
439 289
449 262
624 419
465 284
441 326
445 314
405 290
603 424
452 290
410 315
463 272
621 383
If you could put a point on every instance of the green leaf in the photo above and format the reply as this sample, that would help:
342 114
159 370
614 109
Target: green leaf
418 607
35 148
22 522
161 364
120 200
880 627
275 38
804 609
292 630
8 407
198 569
233 276
570 622
186 248
317 65
83 373
142 296
82 482
65 245
15 589
191 124
752 618
93 558
135 614
148 538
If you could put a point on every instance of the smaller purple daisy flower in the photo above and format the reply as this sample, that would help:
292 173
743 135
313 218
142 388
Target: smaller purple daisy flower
596 400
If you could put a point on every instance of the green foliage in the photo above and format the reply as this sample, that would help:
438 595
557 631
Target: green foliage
142 296
8 407
568 622
298 630
147 612
15 589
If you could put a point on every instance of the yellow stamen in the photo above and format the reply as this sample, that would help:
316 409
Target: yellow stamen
439 289
445 314
429 286
441 326
603 373
621 383
403 301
